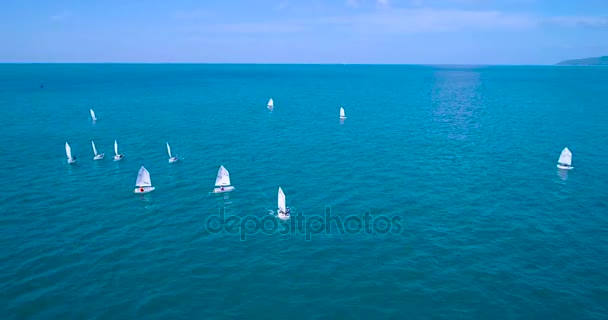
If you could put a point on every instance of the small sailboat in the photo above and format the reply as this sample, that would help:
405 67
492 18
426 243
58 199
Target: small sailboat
117 156
171 158
283 212
143 182
222 181
565 160
93 115
270 104
98 156
68 153
342 114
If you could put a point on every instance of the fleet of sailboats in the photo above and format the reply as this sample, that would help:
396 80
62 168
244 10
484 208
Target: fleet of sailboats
222 181
565 160
143 184
98 156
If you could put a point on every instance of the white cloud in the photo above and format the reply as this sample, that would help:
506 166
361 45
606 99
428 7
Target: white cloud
248 28
190 14
353 3
281 5
575 21
402 21
61 16
434 20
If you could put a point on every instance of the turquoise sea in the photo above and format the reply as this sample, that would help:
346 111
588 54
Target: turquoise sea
465 156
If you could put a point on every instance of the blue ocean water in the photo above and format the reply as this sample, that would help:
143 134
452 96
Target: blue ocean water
464 155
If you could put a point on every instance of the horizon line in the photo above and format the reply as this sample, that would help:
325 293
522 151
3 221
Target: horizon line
291 63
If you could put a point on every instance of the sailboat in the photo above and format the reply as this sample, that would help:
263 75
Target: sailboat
93 115
270 104
222 181
68 153
117 156
98 156
143 182
565 160
342 115
283 212
171 158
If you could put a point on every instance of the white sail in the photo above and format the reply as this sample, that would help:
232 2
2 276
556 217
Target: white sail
270 103
115 147
223 177
143 178
168 149
342 115
565 157
68 151
281 201
93 114
94 149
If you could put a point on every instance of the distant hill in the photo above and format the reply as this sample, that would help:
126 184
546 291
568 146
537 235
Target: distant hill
598 61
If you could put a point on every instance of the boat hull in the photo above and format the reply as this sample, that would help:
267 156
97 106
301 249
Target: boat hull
118 157
144 189
99 156
70 161
564 167
282 215
173 159
222 190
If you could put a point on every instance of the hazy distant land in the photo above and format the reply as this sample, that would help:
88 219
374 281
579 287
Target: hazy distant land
597 61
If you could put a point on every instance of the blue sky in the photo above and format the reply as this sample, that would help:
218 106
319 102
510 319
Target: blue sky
304 31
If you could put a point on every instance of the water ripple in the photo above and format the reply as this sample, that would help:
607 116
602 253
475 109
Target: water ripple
464 155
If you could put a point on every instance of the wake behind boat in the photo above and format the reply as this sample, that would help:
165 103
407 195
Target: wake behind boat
172 159
68 153
93 115
117 156
98 156
143 183
565 160
222 181
283 212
